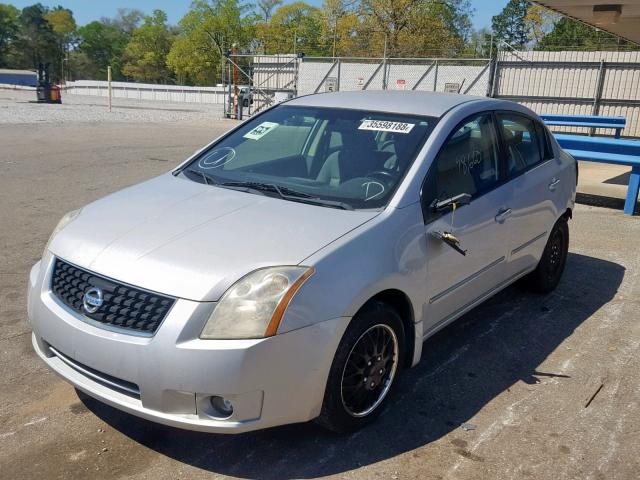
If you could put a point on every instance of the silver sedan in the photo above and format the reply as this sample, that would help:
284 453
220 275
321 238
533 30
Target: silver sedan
291 269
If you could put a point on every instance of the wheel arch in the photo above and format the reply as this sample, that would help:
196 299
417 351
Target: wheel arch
400 302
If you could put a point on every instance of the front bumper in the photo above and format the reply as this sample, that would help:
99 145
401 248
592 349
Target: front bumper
169 378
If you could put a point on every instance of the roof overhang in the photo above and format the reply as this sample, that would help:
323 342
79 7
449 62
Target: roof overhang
619 17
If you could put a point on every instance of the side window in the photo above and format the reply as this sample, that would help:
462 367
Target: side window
545 143
468 161
522 142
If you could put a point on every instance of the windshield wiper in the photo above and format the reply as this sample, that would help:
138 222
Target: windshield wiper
287 193
321 201
282 192
209 180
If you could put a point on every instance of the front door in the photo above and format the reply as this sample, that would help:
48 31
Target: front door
469 163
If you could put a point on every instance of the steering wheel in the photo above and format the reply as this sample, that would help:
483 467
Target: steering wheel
384 175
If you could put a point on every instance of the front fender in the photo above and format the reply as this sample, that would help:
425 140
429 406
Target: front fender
387 253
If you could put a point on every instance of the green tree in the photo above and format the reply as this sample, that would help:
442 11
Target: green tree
295 27
414 27
63 26
146 53
510 25
456 16
266 7
206 32
480 44
125 21
568 34
101 44
539 22
36 42
342 24
9 28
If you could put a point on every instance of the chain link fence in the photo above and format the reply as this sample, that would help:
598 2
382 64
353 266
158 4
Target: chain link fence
565 82
321 74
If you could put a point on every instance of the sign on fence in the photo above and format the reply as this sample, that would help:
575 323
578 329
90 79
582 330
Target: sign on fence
452 87
331 84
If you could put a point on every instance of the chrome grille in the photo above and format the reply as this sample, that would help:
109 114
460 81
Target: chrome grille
123 306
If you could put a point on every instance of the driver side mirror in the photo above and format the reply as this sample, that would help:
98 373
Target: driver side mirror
450 203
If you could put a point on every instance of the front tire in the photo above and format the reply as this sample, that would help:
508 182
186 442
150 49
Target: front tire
364 370
547 274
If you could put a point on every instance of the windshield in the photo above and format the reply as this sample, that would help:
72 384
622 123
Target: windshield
332 157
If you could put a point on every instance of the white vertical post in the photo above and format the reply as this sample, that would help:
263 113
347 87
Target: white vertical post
109 85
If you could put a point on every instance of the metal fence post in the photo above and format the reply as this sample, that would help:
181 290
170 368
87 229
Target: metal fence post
492 76
435 77
597 95
338 82
296 76
109 85
495 79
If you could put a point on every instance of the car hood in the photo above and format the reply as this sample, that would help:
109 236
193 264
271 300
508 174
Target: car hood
189 240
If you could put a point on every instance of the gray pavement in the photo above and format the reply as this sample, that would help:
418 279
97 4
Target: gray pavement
550 383
19 107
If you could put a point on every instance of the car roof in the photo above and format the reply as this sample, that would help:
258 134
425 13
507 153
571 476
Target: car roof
433 104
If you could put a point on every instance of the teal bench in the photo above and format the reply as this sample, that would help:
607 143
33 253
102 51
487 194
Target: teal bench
607 150
589 121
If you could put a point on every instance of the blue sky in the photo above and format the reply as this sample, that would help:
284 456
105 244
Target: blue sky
87 10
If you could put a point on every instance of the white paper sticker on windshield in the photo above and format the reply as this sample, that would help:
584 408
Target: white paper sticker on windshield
260 131
384 126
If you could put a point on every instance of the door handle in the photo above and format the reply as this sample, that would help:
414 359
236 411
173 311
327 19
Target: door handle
503 214
451 240
554 183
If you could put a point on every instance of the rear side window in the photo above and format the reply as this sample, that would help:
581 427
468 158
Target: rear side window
545 143
523 145
469 161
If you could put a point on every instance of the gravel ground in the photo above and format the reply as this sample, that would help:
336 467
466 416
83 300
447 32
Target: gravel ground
19 107
524 386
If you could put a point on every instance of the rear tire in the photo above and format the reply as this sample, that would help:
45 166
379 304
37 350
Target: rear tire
364 370
547 274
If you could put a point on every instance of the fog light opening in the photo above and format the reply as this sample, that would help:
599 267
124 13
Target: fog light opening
222 408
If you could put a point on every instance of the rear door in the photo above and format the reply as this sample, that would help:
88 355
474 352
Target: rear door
533 187
469 162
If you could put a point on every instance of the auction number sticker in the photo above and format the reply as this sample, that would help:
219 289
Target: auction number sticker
384 126
260 131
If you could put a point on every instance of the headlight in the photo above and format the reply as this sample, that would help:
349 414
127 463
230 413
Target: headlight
64 221
253 306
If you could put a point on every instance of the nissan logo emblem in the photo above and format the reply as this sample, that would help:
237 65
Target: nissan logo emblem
92 300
